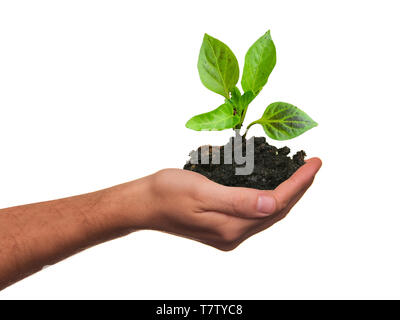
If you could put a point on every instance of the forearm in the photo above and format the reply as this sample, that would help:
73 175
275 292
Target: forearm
36 235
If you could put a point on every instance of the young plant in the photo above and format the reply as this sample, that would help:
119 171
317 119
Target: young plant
219 72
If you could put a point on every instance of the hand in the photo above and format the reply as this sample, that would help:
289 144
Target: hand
190 205
172 200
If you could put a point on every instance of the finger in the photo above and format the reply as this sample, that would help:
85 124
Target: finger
282 214
235 201
231 231
253 203
260 225
245 228
288 189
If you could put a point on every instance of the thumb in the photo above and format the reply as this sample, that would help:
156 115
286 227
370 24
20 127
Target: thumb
241 202
253 203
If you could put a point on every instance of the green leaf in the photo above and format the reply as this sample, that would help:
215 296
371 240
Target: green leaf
259 62
235 96
284 121
239 101
218 66
245 100
224 117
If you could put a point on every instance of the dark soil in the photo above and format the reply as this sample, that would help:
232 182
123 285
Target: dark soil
272 166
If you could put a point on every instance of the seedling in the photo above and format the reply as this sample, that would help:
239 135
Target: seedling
219 72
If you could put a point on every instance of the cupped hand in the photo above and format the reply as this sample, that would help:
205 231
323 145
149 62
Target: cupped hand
190 205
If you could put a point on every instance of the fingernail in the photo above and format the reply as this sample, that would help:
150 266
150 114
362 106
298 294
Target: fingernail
266 205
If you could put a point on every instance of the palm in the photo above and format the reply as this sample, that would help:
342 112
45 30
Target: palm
224 216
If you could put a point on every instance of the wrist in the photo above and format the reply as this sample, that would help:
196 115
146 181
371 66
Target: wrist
130 206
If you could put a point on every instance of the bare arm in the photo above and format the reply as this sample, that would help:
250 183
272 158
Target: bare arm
40 234
174 201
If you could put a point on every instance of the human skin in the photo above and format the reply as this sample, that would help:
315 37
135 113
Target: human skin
175 201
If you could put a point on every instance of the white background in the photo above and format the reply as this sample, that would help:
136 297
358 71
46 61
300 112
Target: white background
96 93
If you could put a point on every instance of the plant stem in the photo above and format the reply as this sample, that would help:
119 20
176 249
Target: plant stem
248 127
243 115
242 119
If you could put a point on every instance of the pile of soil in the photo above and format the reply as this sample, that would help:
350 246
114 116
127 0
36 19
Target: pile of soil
272 166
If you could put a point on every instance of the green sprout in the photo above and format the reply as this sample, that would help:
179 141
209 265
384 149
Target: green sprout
219 72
